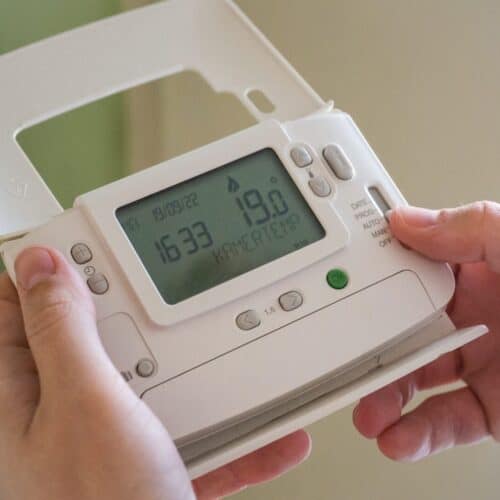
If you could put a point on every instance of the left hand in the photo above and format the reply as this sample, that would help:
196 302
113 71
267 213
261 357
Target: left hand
30 402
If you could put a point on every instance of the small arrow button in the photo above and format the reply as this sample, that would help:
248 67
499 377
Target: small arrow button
291 300
248 320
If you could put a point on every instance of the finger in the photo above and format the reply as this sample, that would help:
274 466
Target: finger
383 408
59 321
378 411
8 291
439 423
18 378
260 466
485 384
19 389
11 326
467 234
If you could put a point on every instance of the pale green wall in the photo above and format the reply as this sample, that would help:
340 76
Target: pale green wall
83 150
27 21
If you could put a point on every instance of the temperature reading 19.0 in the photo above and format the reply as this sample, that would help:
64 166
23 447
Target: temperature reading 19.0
257 209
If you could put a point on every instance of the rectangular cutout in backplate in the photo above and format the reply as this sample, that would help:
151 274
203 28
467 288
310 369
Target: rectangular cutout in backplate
108 139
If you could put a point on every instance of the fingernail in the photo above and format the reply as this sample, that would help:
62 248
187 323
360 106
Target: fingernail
418 217
33 266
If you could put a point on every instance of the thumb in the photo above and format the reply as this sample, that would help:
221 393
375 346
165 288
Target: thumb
470 233
59 320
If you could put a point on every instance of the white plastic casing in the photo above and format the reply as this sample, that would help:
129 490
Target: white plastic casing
209 373
74 68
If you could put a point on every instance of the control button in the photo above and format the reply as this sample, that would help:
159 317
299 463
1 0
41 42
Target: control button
81 253
337 278
320 187
339 162
291 300
248 320
98 284
145 368
301 156
379 200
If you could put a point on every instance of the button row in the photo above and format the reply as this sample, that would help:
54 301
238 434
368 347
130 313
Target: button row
97 282
335 158
250 319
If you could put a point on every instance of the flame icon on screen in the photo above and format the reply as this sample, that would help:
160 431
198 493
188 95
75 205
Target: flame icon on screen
232 185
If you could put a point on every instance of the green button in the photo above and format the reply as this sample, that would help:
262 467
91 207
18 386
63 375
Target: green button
337 278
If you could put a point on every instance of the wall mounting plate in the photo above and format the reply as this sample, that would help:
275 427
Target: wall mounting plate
72 69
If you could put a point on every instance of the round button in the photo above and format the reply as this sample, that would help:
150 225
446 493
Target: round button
337 278
145 368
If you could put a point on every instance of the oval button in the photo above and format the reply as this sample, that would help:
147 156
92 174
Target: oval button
301 156
338 161
98 284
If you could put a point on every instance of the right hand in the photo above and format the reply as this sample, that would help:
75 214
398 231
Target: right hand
469 238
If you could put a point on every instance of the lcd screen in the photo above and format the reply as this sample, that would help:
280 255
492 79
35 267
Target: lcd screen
208 230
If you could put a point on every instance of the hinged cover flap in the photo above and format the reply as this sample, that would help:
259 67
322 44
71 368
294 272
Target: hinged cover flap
72 69
396 368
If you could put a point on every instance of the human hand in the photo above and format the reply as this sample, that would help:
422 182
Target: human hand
469 238
70 427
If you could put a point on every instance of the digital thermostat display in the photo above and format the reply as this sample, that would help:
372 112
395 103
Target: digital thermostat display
219 225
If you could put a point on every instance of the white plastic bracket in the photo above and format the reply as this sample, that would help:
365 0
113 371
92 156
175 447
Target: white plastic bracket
67 71
398 364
